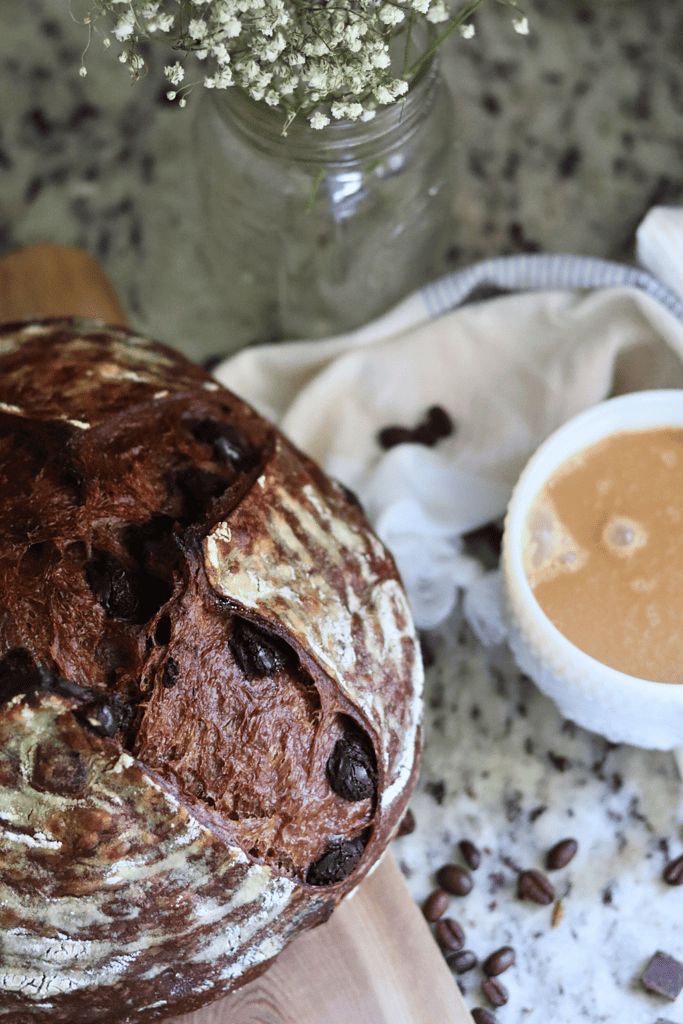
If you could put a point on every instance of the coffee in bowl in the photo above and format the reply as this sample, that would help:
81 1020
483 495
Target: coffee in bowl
592 569
603 551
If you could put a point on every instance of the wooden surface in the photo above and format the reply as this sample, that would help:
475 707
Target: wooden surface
375 961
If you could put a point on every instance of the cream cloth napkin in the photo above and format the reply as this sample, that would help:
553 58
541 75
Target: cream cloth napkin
509 370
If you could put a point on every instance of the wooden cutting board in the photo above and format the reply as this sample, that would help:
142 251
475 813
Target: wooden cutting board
375 961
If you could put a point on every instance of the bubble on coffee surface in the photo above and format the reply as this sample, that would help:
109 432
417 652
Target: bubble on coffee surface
549 548
623 536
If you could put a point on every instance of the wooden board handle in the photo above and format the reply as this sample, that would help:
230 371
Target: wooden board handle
52 280
374 962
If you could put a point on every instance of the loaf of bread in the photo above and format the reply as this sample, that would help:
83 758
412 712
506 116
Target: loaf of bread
209 683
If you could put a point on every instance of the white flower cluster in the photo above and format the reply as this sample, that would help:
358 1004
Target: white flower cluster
325 59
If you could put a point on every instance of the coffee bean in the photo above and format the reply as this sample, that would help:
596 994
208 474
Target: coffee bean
337 863
351 768
389 437
561 854
440 421
436 905
470 854
480 1015
498 961
673 872
425 434
663 976
533 885
449 935
256 652
170 674
454 879
495 992
461 961
407 826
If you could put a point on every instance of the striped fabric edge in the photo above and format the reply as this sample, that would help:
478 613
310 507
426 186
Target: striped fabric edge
540 272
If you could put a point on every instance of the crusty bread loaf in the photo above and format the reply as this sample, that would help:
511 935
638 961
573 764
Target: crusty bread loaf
209 683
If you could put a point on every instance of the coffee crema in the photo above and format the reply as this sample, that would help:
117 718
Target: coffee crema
603 552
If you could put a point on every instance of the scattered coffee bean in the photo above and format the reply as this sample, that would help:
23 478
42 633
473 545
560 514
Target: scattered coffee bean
449 934
470 854
498 961
454 879
495 992
407 826
561 854
337 863
673 872
533 885
480 1015
436 905
389 437
256 652
351 767
663 976
461 961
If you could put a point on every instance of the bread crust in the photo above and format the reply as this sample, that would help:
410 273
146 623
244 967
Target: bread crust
198 633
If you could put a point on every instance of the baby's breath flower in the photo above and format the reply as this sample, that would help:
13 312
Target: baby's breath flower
318 120
175 73
323 60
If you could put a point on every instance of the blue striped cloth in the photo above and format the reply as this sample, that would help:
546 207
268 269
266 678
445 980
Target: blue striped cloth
539 272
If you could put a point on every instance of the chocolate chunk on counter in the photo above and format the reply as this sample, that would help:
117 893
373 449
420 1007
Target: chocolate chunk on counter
663 976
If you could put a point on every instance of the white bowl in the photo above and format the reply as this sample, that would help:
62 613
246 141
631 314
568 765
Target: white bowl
623 708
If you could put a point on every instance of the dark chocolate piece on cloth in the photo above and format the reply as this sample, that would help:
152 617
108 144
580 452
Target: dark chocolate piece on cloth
663 976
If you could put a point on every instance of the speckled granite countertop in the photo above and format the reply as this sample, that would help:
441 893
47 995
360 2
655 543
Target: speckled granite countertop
567 139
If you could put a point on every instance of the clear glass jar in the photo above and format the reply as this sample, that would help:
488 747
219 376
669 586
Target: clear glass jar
317 232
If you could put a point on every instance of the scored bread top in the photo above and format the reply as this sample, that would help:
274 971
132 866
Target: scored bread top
209 682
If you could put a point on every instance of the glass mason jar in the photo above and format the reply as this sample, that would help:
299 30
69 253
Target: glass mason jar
318 232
